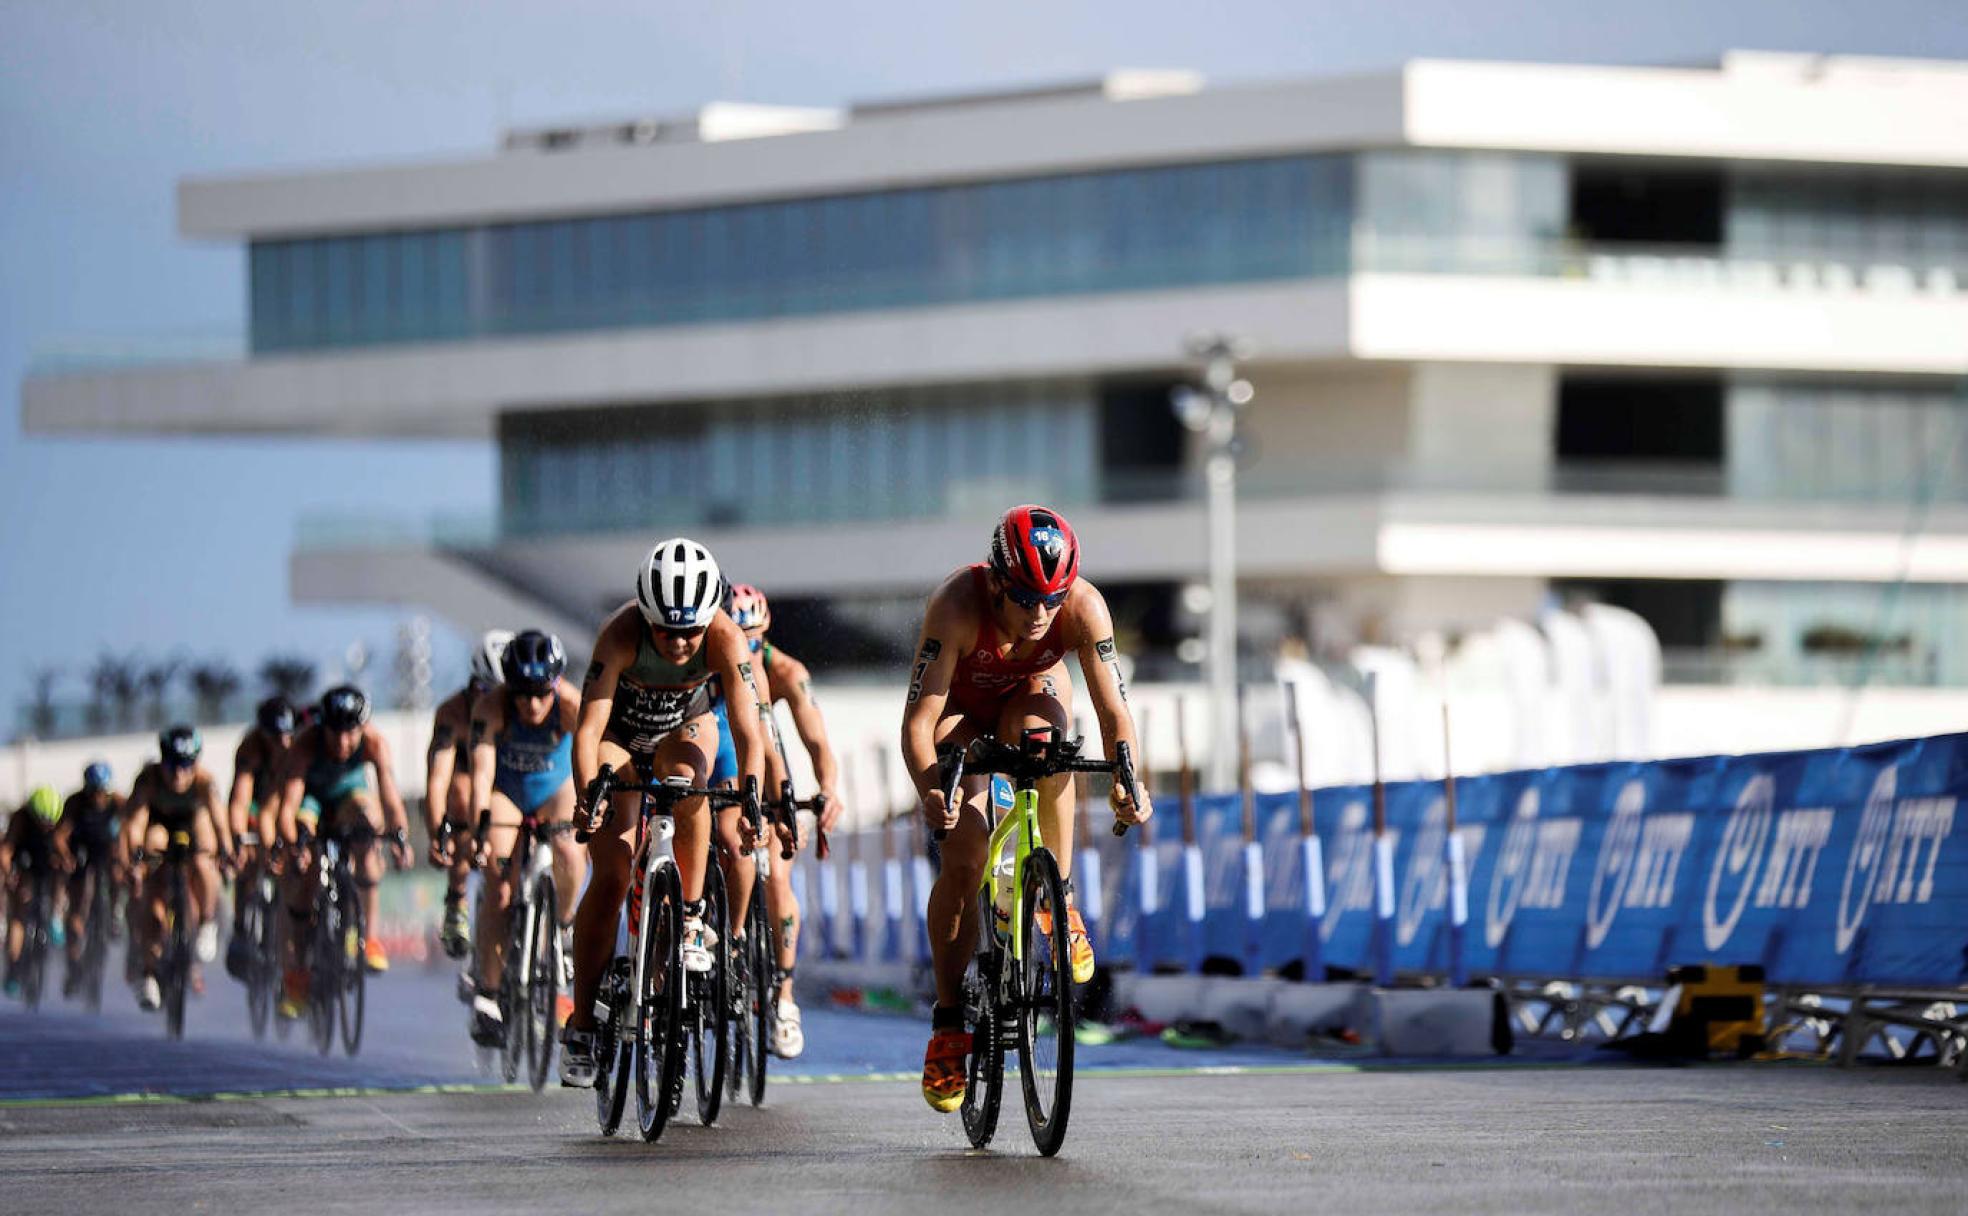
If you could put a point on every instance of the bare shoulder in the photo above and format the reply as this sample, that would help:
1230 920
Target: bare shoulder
953 611
489 707
620 633
1087 618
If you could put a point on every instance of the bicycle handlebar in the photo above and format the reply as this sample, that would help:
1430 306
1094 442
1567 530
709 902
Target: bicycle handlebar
1035 760
665 794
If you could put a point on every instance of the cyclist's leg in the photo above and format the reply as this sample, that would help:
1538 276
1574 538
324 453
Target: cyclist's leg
79 884
205 881
17 894
951 915
739 870
151 920
458 811
1046 700
688 751
783 909
365 857
570 860
495 892
609 858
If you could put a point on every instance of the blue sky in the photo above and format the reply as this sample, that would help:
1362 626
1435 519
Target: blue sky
180 545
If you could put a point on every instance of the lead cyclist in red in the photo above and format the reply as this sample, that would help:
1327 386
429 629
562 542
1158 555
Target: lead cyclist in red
991 660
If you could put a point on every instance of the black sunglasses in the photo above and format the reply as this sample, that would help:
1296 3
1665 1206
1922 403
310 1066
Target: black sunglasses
697 631
1025 598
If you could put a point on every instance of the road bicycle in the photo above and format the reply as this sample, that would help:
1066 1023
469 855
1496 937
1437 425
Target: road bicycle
529 985
259 925
641 1025
754 988
1019 991
337 978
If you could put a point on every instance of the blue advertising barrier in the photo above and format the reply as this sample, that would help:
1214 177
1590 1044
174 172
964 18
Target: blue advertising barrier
1840 868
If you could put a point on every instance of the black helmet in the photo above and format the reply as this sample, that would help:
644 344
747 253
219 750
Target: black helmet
180 746
343 707
534 662
276 716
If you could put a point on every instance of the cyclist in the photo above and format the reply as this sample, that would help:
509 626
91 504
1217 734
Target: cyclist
646 708
176 794
522 739
28 845
87 835
256 767
991 661
447 784
326 789
782 678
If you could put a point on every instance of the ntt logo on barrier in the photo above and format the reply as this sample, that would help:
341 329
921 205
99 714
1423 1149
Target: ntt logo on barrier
1884 866
1531 866
1639 859
1785 859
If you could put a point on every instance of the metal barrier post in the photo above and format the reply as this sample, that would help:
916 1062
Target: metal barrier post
1253 847
1453 857
1192 856
1383 852
1311 858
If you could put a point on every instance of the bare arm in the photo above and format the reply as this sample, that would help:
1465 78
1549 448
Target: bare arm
215 807
1101 667
611 658
732 660
239 806
488 719
136 817
395 817
796 690
946 632
293 788
440 763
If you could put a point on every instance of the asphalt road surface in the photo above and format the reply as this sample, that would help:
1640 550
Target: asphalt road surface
94 1116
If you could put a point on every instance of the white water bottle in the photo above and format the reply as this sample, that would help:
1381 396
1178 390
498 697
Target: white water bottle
1001 912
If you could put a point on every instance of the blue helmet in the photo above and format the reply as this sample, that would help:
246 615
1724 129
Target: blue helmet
96 778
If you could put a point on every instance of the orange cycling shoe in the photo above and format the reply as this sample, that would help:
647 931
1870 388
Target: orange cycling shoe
374 957
943 1079
1077 941
293 1002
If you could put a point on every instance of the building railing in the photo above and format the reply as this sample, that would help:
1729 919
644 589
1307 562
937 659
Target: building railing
1697 267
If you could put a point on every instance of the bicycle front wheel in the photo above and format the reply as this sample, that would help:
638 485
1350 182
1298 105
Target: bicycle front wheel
658 1026
1043 992
177 958
95 949
324 972
761 1012
543 979
352 995
709 1012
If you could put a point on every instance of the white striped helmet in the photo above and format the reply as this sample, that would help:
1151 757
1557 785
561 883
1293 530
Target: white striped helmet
679 585
489 657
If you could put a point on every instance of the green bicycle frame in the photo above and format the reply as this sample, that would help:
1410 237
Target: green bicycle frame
1021 825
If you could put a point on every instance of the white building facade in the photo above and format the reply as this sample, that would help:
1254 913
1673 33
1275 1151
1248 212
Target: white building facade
1682 340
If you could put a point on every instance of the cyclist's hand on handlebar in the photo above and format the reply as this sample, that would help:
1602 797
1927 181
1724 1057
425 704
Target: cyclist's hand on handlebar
787 830
1125 809
938 814
440 855
830 810
748 835
400 854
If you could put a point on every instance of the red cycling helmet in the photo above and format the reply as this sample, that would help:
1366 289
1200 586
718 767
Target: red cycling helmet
748 608
1034 550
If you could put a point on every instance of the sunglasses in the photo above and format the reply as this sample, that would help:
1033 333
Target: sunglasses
696 632
1032 599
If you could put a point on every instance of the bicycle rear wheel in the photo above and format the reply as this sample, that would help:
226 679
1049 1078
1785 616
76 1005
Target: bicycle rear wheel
762 1002
352 995
1043 993
984 1082
614 1048
657 1037
543 979
34 945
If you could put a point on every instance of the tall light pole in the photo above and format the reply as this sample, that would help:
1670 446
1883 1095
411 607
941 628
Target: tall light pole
1212 413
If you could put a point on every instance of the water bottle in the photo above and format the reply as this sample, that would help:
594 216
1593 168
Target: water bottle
1001 911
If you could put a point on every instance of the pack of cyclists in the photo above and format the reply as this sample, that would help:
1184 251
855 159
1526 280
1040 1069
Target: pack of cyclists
680 688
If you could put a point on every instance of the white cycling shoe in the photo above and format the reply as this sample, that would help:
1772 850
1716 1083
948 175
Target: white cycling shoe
206 947
788 1038
577 1059
699 939
150 996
